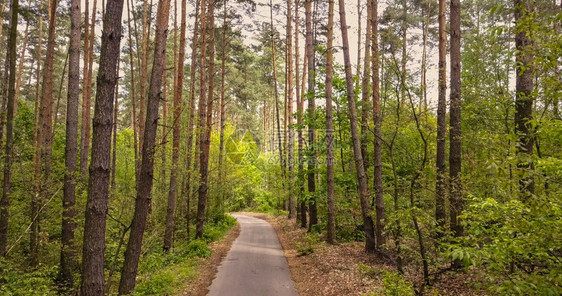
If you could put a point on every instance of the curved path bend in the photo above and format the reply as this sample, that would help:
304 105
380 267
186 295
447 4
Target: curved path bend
255 265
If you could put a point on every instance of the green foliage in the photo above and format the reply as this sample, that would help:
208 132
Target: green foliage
38 282
309 245
394 284
199 248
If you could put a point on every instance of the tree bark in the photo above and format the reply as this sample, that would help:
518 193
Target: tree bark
146 174
68 262
9 149
133 89
43 171
300 107
170 221
377 119
98 184
143 73
189 134
20 67
365 90
456 203
312 115
331 236
440 184
223 103
87 95
524 99
360 169
202 189
292 203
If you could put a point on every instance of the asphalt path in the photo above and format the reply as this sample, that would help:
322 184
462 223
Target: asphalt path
255 265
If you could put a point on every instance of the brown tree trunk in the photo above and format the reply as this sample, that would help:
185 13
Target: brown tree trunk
291 140
365 90
311 114
361 177
43 172
223 103
87 95
189 137
143 73
113 183
202 189
302 206
146 174
331 236
276 94
377 119
524 99
6 192
98 184
133 90
34 233
170 221
456 203
440 185
68 262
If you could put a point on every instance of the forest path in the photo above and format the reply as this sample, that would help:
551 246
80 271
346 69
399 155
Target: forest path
255 265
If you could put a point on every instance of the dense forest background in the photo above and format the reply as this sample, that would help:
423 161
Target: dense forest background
123 151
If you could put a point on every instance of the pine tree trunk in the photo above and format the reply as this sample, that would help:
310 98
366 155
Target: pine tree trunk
291 140
98 184
524 100
44 139
113 183
6 192
189 134
302 206
365 90
146 174
331 236
87 96
68 260
440 185
20 67
202 189
170 221
360 169
143 73
223 104
311 114
133 90
377 119
456 203
34 229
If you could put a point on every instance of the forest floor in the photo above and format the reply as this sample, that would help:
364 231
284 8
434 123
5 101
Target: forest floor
345 269
207 270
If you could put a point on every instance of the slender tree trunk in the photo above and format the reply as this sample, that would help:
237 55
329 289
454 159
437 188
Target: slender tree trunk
98 184
189 134
114 135
456 203
170 221
331 237
133 89
143 73
144 185
202 189
276 94
359 167
223 104
423 102
303 206
34 233
59 96
377 119
312 115
300 143
440 185
524 99
87 96
359 33
291 140
365 90
44 139
6 192
68 262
